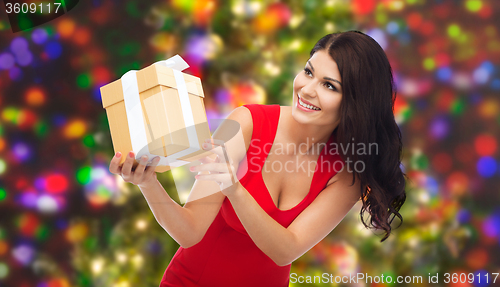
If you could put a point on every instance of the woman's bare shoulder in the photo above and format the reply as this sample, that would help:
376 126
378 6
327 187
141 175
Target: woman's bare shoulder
344 177
236 131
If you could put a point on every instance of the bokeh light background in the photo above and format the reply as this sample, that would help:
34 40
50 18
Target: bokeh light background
66 221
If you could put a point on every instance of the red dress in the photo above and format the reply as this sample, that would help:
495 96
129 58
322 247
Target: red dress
227 256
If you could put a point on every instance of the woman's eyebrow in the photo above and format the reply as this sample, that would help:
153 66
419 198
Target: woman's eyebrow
326 78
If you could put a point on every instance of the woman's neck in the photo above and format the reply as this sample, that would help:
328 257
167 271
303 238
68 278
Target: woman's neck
306 137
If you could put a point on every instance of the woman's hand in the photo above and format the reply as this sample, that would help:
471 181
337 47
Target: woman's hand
141 176
221 169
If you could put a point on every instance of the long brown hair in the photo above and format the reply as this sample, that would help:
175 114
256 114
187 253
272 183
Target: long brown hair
368 95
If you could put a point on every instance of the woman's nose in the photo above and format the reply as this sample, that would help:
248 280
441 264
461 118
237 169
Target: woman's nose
309 90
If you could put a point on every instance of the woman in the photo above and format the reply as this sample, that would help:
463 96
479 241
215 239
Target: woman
249 233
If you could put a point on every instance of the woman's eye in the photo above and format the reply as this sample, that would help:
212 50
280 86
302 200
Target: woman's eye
307 71
330 86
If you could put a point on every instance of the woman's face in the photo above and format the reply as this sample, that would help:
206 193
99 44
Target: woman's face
318 85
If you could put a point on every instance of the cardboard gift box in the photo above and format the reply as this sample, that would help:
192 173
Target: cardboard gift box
158 111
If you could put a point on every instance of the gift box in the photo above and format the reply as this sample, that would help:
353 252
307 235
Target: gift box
158 111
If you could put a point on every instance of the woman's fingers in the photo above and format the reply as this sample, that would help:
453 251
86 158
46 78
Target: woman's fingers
151 169
139 170
215 177
127 165
214 167
114 165
206 159
218 148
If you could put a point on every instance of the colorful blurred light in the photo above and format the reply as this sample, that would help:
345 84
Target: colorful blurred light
491 225
101 187
453 30
39 36
66 27
473 5
75 129
392 27
18 44
22 151
4 270
445 100
204 47
203 11
485 144
23 253
47 204
101 75
489 108
77 232
56 183
53 50
463 216
477 258
59 120
164 41
83 175
28 223
363 7
84 81
35 96
379 36
439 128
24 58
3 194
15 73
6 61
457 183
486 166
82 36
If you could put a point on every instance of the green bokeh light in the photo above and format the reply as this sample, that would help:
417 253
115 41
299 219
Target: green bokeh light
41 128
453 30
42 233
103 192
83 175
89 141
84 81
429 64
474 5
11 114
458 107
25 23
129 49
419 162
3 194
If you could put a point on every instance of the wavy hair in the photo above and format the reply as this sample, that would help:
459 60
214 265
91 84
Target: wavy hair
367 117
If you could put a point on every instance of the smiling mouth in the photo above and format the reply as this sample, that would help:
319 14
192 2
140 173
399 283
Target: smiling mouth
304 105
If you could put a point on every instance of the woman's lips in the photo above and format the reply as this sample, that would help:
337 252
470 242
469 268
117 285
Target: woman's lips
304 108
306 102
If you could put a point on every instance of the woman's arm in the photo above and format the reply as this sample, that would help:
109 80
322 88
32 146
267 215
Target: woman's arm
177 221
285 245
188 224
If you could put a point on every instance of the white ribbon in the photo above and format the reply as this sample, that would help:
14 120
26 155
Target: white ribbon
135 117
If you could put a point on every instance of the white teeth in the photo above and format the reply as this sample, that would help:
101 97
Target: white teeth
307 106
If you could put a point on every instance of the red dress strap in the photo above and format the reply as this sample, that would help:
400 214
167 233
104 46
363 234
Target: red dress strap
265 124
